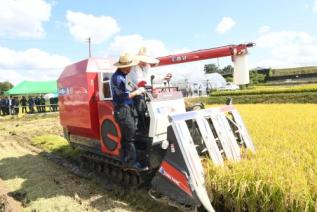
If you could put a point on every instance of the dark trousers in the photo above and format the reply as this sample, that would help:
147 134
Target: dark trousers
126 116
31 109
38 108
16 110
140 106
24 109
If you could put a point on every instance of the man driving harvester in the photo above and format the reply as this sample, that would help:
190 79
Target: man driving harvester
138 77
124 110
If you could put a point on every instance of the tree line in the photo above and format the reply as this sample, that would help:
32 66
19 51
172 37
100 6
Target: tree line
227 73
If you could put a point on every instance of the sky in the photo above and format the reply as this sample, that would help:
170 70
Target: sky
38 38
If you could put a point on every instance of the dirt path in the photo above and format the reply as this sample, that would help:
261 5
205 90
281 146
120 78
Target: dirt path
39 184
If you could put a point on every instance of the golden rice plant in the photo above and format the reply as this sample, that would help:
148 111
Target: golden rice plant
282 174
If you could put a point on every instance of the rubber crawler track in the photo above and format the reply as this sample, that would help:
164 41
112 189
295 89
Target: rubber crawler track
108 172
110 168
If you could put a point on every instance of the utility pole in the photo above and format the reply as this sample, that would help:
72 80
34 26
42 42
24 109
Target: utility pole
89 46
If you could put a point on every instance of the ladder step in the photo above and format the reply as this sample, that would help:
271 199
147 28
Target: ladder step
204 150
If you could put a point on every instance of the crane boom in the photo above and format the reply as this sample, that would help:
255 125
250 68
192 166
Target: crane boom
223 51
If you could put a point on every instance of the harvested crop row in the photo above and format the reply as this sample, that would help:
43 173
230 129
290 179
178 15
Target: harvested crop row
269 90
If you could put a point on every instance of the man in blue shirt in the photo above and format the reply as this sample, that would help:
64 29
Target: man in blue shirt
37 102
125 113
31 104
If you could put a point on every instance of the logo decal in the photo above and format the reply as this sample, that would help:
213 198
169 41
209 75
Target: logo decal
63 91
168 176
179 58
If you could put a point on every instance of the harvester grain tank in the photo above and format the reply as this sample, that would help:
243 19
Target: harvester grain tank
175 138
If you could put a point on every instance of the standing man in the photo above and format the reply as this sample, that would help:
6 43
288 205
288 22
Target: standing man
37 102
138 77
125 113
55 104
11 109
2 106
7 105
16 106
31 104
42 103
200 90
51 104
12 105
23 102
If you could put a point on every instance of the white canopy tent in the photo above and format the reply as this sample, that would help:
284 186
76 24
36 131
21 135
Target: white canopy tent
214 80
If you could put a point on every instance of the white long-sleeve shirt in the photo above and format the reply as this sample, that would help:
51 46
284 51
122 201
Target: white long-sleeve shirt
136 75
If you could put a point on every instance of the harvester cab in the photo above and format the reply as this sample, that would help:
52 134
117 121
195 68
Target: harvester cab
175 139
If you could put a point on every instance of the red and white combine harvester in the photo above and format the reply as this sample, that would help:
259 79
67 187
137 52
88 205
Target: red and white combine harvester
175 139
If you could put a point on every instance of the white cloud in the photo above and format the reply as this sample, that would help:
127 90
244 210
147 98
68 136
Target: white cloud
264 29
156 48
315 6
30 64
132 43
23 18
288 49
82 26
225 25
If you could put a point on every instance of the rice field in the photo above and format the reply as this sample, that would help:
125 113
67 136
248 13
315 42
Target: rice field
282 175
262 89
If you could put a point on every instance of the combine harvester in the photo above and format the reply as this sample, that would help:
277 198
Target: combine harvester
175 139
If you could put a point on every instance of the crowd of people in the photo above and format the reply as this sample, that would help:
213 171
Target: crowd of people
38 104
193 90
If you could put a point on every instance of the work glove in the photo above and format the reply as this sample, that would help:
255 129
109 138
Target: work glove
139 91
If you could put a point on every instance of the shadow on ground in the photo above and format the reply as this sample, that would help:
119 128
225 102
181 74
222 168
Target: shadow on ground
41 185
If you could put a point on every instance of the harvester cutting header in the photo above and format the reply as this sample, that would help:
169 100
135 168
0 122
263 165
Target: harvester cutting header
164 146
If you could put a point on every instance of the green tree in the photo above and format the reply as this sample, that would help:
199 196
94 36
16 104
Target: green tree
256 78
211 68
228 70
4 86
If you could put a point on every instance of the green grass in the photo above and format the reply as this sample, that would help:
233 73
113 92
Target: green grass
282 174
252 90
55 144
306 93
293 71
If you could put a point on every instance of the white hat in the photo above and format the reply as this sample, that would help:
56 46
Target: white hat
126 60
142 56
